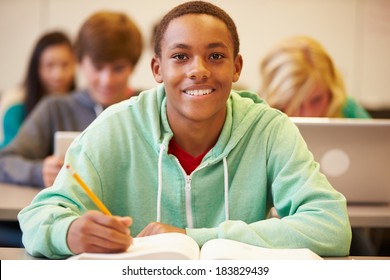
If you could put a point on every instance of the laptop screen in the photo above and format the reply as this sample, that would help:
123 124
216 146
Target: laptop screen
354 154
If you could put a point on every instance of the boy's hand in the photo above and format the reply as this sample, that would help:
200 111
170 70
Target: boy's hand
157 228
95 232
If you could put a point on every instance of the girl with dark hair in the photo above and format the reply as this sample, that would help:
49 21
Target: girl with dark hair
50 71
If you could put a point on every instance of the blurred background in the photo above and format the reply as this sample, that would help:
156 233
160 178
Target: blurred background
355 32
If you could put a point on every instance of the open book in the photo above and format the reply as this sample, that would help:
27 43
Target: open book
176 246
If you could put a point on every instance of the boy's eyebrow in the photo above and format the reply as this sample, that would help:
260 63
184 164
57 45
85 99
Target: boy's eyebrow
217 45
209 46
179 46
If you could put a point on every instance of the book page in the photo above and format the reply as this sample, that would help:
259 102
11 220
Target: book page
224 249
166 246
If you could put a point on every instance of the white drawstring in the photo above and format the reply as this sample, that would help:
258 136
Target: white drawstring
226 188
159 191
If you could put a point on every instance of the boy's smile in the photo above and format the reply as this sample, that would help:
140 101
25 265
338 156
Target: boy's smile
198 92
197 67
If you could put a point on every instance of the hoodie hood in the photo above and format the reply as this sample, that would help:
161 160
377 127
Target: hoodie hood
242 103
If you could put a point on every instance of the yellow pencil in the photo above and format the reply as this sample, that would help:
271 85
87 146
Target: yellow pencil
94 198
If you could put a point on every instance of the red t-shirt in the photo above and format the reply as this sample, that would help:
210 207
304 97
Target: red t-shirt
188 162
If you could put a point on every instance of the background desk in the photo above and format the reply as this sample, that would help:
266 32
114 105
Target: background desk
369 216
14 198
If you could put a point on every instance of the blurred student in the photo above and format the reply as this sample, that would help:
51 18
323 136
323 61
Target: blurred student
108 47
50 71
300 78
190 156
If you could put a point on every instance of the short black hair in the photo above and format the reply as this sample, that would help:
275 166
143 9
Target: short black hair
195 7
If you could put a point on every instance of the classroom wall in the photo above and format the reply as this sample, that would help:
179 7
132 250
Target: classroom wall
356 33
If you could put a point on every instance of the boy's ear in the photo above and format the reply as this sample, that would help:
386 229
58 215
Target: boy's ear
156 69
238 63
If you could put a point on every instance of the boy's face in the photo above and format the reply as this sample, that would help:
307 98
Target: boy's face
197 67
107 83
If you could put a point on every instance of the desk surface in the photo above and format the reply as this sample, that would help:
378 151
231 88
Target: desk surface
15 254
21 254
13 198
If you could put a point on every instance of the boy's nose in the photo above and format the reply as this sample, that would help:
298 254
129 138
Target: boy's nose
106 77
198 70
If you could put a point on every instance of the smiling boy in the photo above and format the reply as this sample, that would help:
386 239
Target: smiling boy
190 156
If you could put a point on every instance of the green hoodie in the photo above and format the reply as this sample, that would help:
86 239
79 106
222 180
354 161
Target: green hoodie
259 161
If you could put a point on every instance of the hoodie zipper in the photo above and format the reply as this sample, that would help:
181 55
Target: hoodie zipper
187 189
188 178
190 223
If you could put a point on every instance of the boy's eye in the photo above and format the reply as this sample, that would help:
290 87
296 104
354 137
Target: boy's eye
97 66
216 56
118 68
179 56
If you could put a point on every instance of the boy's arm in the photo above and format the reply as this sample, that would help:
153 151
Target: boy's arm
312 214
57 224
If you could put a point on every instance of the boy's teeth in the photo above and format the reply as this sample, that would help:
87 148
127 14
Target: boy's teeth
199 92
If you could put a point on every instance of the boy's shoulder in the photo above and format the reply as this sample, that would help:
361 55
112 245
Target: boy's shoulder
144 101
248 97
249 106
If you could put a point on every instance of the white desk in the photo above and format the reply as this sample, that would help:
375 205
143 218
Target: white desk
21 254
15 254
13 198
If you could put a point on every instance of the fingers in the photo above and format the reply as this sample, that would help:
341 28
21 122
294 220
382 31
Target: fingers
157 228
95 232
126 221
116 223
51 167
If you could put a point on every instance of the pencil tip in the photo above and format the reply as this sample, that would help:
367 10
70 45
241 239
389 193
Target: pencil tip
67 166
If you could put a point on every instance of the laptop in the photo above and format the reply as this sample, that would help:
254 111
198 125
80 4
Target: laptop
62 141
354 154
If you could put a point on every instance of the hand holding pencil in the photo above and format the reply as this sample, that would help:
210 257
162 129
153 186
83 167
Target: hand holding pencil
95 232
